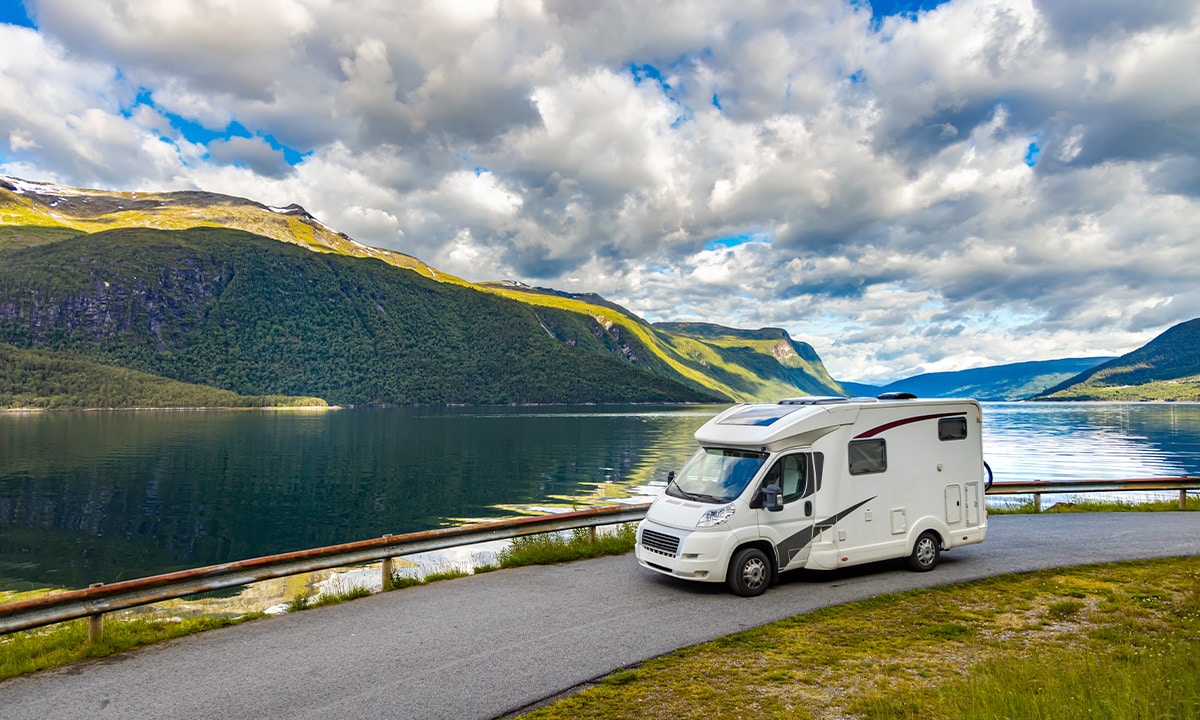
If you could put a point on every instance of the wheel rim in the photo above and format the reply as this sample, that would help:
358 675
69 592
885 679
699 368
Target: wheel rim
926 551
754 573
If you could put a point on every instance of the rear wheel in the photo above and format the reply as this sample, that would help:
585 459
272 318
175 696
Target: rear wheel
926 552
749 572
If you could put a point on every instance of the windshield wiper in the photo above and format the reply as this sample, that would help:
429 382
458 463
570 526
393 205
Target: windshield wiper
710 498
681 493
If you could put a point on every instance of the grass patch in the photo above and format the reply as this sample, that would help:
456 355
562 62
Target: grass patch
577 544
1081 505
309 599
1108 641
31 650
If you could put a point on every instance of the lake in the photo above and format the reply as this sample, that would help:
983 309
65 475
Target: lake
104 496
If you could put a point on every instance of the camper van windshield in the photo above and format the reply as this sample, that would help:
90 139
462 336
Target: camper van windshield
716 475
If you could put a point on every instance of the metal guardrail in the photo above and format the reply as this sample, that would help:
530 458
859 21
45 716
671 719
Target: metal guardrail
94 601
1038 488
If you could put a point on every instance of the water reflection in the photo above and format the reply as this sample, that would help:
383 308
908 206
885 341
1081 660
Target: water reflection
1077 441
98 497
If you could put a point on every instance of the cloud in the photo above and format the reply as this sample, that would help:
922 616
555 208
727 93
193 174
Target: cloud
254 153
883 165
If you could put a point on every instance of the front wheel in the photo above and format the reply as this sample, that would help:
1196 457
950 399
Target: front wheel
749 572
926 552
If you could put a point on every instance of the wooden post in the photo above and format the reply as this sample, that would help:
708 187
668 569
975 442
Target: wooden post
385 570
1182 498
95 623
1037 502
592 535
385 573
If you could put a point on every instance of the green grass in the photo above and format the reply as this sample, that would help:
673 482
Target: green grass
548 549
545 549
65 643
309 600
1082 505
1117 641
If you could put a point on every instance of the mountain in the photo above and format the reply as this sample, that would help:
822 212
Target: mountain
83 276
32 213
244 313
1015 381
1166 368
854 389
47 381
765 363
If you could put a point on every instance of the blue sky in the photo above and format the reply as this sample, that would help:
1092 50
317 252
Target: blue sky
907 186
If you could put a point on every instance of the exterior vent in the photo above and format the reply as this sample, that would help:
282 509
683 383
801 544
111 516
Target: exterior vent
660 543
814 400
897 396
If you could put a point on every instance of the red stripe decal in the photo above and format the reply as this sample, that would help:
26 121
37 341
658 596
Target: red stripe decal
897 423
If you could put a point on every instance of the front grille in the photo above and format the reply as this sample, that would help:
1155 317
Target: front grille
661 543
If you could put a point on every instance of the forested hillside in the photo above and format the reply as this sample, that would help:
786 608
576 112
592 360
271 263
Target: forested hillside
42 380
242 313
1166 368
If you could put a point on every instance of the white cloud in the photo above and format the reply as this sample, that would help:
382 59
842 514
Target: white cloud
582 146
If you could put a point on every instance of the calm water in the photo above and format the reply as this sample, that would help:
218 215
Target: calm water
104 496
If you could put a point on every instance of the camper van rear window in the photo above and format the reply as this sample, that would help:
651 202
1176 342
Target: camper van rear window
952 428
760 415
867 456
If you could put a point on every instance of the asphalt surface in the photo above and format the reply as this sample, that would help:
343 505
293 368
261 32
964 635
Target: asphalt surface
488 645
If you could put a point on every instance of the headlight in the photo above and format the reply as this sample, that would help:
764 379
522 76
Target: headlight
713 518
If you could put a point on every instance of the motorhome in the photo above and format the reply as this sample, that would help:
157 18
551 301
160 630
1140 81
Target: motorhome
820 483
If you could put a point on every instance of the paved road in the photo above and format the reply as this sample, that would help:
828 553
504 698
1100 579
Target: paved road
487 645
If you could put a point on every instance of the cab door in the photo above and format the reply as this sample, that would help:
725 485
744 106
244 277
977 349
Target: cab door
790 530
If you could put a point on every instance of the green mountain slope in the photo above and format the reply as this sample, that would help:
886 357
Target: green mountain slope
49 381
33 213
253 316
1013 381
1166 368
723 365
754 364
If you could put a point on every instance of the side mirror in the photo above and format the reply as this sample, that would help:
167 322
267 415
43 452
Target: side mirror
772 498
670 477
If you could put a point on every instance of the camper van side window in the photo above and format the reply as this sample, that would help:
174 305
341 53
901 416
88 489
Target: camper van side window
954 428
867 456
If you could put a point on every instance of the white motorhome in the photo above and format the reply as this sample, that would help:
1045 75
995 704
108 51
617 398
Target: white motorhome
820 483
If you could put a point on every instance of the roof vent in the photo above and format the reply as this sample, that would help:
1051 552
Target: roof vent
814 400
897 396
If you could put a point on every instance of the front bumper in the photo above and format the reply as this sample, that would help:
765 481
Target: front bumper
687 554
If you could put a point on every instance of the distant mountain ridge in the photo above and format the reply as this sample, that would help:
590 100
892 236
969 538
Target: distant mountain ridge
151 282
1013 381
1166 368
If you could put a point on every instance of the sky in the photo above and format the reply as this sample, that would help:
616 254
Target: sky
907 186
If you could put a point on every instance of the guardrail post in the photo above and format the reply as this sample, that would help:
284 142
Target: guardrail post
385 570
95 623
1037 502
1182 498
385 573
592 534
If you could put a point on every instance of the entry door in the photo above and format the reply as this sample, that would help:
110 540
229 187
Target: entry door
791 530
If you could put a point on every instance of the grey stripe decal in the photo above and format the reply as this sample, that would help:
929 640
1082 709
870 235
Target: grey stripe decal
795 543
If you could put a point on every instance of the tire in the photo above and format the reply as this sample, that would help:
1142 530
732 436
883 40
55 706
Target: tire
925 553
749 572
987 471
